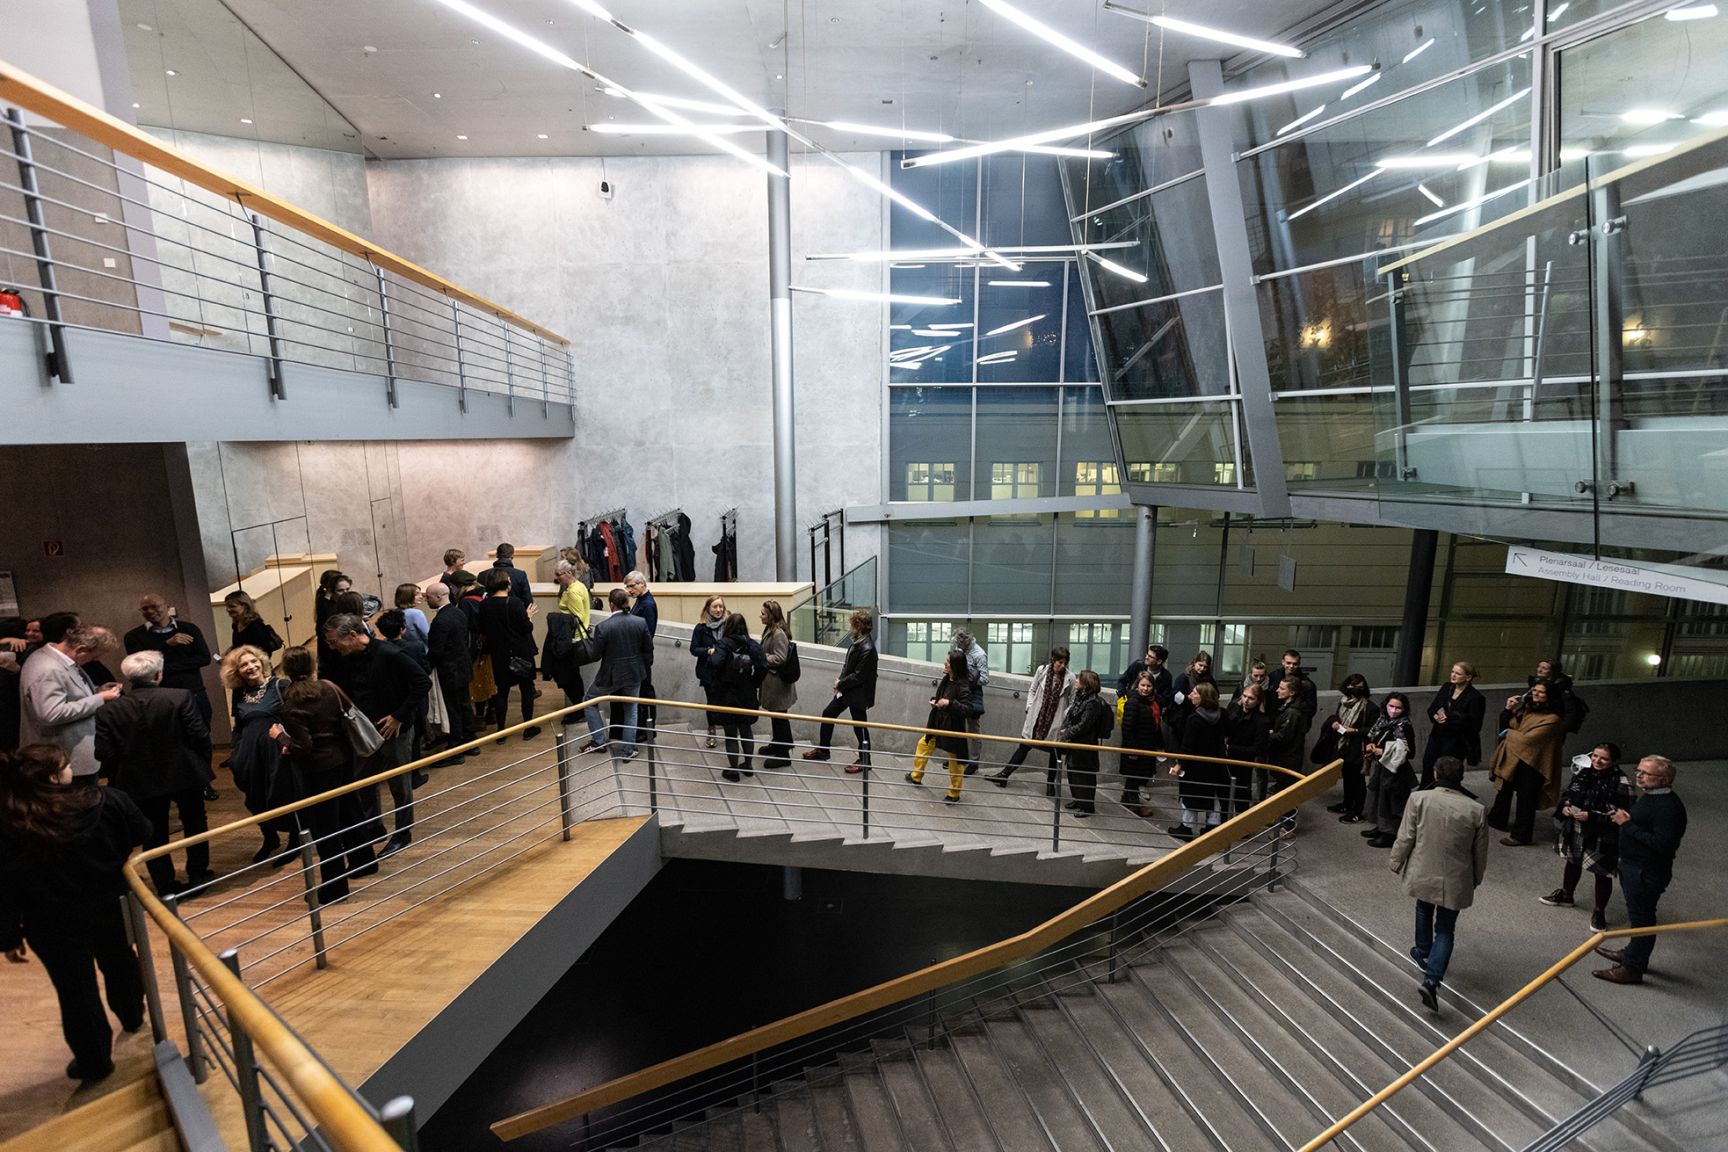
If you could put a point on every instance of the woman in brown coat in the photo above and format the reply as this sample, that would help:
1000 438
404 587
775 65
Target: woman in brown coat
1527 766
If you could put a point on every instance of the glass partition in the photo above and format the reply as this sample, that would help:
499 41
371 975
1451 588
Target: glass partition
821 618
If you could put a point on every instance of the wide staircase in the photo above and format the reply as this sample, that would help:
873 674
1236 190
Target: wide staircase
1251 1029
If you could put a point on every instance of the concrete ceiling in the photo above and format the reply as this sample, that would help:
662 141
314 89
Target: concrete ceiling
953 66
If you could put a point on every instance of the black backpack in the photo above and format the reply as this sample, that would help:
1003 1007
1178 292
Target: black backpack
790 669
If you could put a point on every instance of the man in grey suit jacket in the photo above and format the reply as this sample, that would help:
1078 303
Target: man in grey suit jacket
57 700
626 650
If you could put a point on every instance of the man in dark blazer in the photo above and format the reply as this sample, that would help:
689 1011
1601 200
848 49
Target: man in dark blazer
519 589
155 747
388 687
643 607
447 644
185 655
626 651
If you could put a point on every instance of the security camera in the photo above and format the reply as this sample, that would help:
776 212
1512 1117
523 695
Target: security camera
605 189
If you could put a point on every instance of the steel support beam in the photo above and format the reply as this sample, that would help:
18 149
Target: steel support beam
58 368
780 341
1140 608
1418 590
1241 306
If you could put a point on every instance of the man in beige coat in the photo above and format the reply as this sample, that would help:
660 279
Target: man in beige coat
1442 852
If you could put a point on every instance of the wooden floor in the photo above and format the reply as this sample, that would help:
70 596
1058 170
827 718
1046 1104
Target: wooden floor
487 863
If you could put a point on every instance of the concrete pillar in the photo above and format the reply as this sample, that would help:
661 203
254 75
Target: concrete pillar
780 322
1140 610
1418 588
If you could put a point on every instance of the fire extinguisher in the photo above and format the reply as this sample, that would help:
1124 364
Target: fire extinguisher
12 303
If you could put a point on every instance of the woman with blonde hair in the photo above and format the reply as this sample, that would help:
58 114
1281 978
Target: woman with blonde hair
777 692
247 628
255 757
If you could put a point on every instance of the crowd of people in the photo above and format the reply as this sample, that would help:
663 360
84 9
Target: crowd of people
379 687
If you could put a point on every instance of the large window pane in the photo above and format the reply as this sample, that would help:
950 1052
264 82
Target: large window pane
1024 311
930 444
1079 362
931 341
1023 201
1170 349
1180 443
950 191
1088 453
1094 564
928 566
1629 94
1011 569
1016 443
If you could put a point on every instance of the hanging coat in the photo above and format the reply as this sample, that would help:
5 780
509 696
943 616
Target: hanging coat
684 550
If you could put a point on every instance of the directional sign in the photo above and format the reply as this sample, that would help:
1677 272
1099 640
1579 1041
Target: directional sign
1650 579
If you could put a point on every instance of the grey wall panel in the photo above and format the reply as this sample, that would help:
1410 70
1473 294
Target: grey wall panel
143 391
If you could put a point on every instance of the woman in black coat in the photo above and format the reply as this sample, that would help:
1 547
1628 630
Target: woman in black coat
703 639
736 665
1142 731
1088 721
1247 729
509 630
1205 784
854 691
1346 730
63 848
314 737
1198 672
950 708
1457 711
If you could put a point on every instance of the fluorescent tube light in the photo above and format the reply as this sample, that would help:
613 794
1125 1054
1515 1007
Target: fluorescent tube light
1171 24
1111 266
1075 49
1418 50
1018 283
880 297
955 326
1480 200
610 128
1647 116
1559 11
1331 196
1512 155
1430 160
1650 149
999 357
1713 119
939 333
1300 120
1350 73
887 131
1433 199
541 48
898 327
1355 88
1478 118
1690 12
1016 324
676 102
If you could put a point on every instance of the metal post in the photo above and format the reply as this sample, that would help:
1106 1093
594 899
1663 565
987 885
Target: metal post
780 339
1056 803
269 299
812 534
397 1119
653 777
509 374
1276 831
389 337
827 555
246 1071
1647 1066
1609 266
1140 607
188 1009
314 913
864 800
562 763
791 882
58 366
545 385
133 910
841 514
461 379
1110 972
1398 343
1418 588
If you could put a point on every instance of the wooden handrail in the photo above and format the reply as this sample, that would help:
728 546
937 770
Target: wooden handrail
1588 946
35 95
342 1118
546 717
937 976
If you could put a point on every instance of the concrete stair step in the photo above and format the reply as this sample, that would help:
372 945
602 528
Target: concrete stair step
832 1115
1067 1123
877 1124
1014 1124
903 1081
1069 1052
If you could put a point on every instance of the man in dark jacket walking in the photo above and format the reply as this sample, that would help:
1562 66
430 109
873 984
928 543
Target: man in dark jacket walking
626 651
645 609
1650 835
447 645
387 686
155 747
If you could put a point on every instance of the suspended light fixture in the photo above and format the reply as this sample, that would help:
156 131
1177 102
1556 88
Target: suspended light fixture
676 102
612 128
1016 324
879 297
1074 48
1418 50
1300 120
1478 118
1331 196
1120 270
884 130
1018 283
1171 24
541 48
1355 88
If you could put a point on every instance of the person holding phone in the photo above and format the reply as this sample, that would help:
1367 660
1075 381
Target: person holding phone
1587 838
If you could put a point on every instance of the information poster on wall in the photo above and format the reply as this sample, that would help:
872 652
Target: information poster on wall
8 594
1650 579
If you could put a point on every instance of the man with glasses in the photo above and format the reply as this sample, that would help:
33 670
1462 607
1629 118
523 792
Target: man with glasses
1650 834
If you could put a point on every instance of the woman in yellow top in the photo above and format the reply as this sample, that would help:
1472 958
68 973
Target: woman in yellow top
572 593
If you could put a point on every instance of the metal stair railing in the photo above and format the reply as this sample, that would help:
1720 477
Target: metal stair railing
1696 1054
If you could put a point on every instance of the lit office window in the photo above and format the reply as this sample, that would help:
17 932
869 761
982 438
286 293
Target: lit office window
1096 478
1014 481
1139 473
1301 469
1229 658
1224 472
1104 648
1165 473
1010 647
1379 637
928 640
930 482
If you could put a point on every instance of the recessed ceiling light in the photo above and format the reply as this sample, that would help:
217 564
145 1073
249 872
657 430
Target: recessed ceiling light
245 120
171 72
779 76
437 95
461 137
369 49
145 28
543 136
135 104
833 19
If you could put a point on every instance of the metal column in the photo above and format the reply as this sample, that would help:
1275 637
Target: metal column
780 336
1241 304
1140 607
56 358
269 302
1418 590
389 337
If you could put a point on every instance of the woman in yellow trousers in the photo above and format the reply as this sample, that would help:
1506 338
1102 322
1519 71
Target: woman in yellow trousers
949 710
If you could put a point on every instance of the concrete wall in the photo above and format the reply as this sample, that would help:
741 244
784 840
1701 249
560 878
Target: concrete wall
663 292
